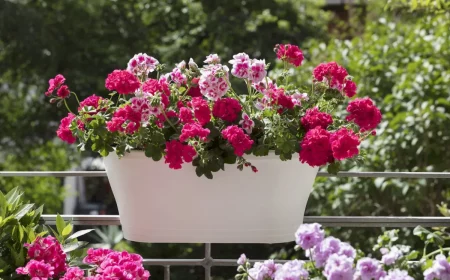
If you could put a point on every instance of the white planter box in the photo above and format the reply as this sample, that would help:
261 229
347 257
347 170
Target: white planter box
158 204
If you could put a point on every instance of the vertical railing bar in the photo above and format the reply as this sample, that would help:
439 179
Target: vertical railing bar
208 261
167 272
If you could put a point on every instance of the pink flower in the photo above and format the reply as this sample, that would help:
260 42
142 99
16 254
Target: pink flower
212 59
227 109
178 77
193 130
142 64
122 81
201 110
241 65
54 84
297 98
144 107
96 256
242 259
257 70
49 251
91 101
64 132
37 270
240 141
290 53
316 148
185 115
314 118
332 73
211 86
63 91
344 144
281 100
364 113
350 88
123 115
73 273
156 89
247 123
194 90
177 153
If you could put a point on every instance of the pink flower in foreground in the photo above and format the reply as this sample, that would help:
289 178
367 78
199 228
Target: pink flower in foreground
193 130
316 148
50 251
54 84
74 273
177 153
290 53
350 88
227 109
241 65
212 59
185 115
364 113
344 144
211 86
247 123
194 90
37 270
122 81
91 101
201 110
240 141
332 73
142 64
178 77
257 70
96 256
64 132
314 118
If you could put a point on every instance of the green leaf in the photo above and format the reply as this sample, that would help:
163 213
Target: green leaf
23 210
13 195
60 224
155 152
67 230
79 233
421 232
334 167
412 256
74 246
199 171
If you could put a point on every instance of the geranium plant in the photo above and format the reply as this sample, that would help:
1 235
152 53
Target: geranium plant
331 259
31 250
194 115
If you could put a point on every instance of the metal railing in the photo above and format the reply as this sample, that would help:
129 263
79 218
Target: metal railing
208 261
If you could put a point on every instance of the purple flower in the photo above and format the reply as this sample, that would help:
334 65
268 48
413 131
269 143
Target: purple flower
328 247
339 267
369 269
347 250
292 270
261 271
440 269
242 259
390 257
397 274
309 235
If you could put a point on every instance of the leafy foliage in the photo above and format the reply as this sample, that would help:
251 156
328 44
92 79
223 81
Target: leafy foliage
19 224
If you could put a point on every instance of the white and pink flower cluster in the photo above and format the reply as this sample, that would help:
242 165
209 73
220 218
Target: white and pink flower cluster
48 261
253 70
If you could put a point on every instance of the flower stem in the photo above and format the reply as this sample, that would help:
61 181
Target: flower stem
167 119
435 252
67 106
237 97
76 96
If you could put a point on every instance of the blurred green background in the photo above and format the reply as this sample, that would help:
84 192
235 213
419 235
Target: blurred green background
397 51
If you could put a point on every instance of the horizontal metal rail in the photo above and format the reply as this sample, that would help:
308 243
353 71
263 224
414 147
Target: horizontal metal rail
369 174
326 221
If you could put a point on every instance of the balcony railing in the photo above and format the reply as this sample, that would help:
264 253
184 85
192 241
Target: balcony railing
208 261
